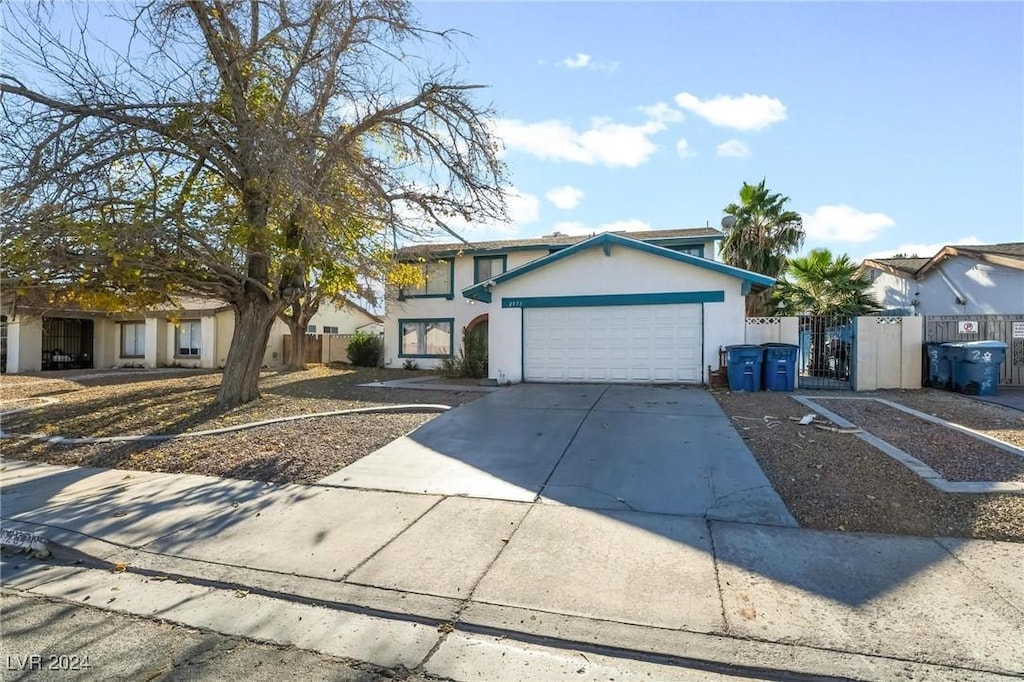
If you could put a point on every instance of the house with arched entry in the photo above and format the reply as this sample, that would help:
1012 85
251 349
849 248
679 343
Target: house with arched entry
650 306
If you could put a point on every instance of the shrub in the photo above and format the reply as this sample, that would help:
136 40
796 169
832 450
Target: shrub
471 360
365 349
410 364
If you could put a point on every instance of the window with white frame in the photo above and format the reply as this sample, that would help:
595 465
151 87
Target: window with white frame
133 339
437 281
426 338
188 338
311 329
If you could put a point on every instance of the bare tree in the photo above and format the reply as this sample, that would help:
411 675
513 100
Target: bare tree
237 149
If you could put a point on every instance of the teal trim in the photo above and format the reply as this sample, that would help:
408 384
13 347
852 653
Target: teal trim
451 281
470 251
666 298
745 289
681 248
504 265
427 320
609 239
522 344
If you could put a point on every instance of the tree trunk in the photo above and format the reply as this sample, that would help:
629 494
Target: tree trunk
240 383
297 358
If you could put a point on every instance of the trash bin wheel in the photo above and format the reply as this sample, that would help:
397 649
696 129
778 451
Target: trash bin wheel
971 388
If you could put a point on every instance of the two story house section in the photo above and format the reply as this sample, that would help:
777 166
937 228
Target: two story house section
625 307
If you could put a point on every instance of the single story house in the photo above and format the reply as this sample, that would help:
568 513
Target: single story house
958 280
193 332
614 307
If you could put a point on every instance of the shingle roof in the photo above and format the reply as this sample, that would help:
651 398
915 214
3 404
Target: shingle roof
1011 249
549 241
908 265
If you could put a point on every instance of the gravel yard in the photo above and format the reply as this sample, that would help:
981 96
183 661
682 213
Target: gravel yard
955 455
835 481
302 451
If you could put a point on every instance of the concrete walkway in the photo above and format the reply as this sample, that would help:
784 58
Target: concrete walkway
471 588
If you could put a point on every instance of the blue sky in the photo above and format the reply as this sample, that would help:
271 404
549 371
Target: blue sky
892 126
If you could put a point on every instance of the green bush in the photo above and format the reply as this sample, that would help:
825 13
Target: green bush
365 349
471 360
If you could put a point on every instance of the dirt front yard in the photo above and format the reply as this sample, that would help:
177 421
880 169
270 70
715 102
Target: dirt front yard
97 404
836 481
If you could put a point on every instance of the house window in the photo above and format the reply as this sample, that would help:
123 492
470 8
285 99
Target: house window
330 330
133 339
187 338
438 278
697 250
488 267
311 329
426 338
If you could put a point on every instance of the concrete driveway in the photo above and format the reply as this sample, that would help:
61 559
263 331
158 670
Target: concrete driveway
664 450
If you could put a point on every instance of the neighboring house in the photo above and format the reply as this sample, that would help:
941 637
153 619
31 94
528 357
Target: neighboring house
630 307
958 280
193 333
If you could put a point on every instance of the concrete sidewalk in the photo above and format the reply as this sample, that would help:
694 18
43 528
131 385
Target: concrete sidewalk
498 589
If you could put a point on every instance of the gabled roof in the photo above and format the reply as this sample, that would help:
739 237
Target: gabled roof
1010 254
903 267
699 234
481 291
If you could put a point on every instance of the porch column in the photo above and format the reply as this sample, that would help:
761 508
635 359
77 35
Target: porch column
24 344
152 341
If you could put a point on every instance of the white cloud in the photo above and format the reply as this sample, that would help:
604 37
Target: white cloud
631 225
663 113
581 60
523 209
923 250
748 112
683 149
576 227
604 143
842 223
565 197
733 149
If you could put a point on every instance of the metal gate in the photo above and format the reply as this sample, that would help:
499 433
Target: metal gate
989 328
827 352
3 344
67 343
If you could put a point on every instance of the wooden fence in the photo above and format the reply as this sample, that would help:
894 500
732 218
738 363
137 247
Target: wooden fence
320 348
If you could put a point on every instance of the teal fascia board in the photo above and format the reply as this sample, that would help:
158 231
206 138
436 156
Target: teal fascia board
608 240
664 298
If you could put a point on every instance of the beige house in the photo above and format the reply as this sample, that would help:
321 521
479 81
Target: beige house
194 333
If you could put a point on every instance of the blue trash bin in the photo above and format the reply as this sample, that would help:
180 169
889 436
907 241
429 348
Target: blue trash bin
937 368
974 366
779 366
744 363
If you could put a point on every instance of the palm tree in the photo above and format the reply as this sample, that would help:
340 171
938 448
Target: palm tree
759 235
823 284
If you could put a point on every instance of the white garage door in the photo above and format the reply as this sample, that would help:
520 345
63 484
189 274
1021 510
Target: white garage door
630 343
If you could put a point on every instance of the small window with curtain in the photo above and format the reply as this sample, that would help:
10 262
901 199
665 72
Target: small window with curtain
188 339
425 338
133 339
488 267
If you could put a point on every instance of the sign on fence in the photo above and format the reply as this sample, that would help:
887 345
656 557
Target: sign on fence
967 326
1018 330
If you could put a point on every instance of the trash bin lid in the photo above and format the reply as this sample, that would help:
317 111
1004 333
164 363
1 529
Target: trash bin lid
976 344
743 346
779 345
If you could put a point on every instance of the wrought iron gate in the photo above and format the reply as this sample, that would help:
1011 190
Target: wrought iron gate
67 343
827 352
989 328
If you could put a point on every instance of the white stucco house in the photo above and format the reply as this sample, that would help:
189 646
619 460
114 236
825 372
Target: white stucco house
958 280
193 332
614 307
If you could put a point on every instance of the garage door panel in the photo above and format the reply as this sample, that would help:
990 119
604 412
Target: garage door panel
658 343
